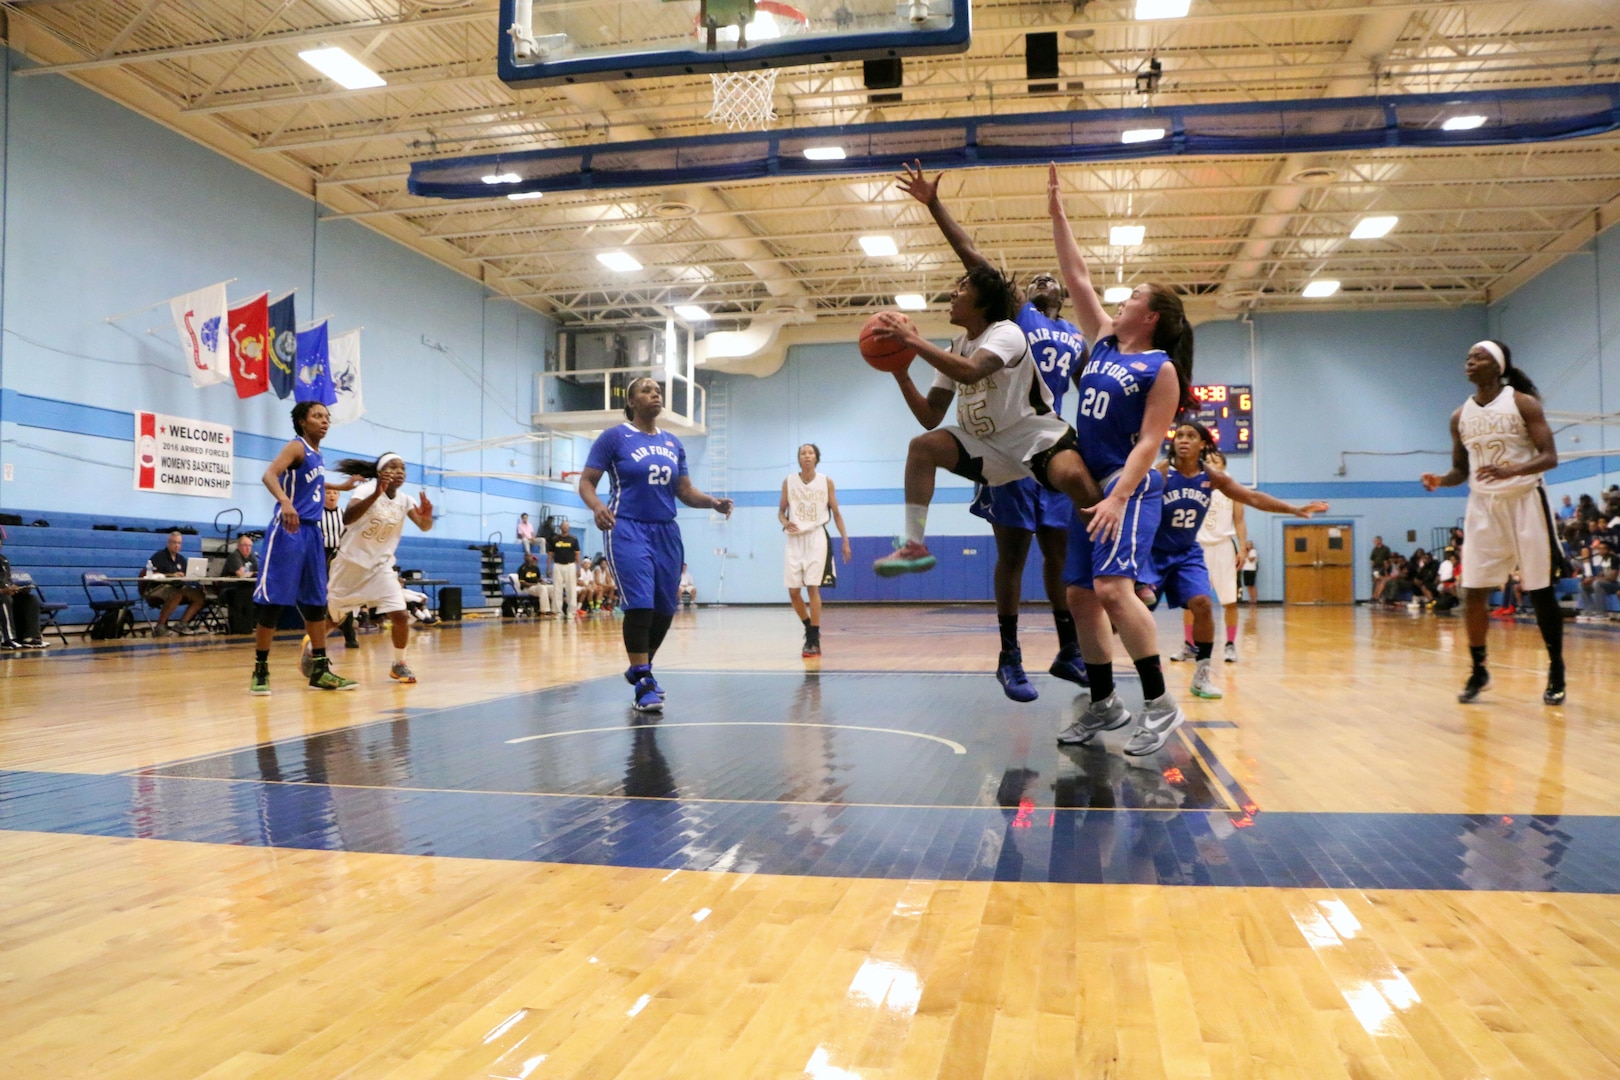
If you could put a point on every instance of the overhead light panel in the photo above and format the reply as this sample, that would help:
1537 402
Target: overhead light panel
692 313
525 196
824 153
1371 228
879 245
910 301
1316 290
1463 123
342 68
501 178
621 261
1136 135
1116 294
1127 235
1162 9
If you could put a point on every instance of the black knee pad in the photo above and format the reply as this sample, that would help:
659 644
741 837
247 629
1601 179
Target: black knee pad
638 630
312 613
266 615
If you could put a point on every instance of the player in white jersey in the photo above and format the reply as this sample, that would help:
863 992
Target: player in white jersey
809 502
362 574
1005 428
1500 445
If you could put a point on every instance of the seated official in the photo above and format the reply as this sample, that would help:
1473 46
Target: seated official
166 596
688 588
238 598
19 612
533 583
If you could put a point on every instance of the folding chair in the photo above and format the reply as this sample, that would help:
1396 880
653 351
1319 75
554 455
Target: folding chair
48 610
114 597
522 602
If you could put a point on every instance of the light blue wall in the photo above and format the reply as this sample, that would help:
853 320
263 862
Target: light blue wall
105 211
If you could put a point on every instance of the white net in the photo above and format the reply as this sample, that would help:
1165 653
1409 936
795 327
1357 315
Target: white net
744 99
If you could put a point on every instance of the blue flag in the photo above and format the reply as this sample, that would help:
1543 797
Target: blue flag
283 346
314 382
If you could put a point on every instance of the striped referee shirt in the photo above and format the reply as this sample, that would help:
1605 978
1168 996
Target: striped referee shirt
331 530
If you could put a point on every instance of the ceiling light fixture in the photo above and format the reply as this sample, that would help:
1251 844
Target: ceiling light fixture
824 153
910 301
878 246
342 68
1136 135
1117 294
621 261
501 178
525 196
1317 290
692 313
1162 9
1463 123
1127 235
1371 228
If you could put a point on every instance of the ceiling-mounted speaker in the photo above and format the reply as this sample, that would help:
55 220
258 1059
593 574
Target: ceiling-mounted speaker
885 74
1041 61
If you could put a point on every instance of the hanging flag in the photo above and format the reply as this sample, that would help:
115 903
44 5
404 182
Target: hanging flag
283 346
250 333
200 317
314 381
345 366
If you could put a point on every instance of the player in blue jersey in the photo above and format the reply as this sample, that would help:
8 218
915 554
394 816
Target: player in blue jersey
293 569
1022 509
646 468
1134 381
1177 565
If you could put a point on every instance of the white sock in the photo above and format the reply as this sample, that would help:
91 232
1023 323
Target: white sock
399 656
916 522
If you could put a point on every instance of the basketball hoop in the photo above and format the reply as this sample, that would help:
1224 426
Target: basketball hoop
746 99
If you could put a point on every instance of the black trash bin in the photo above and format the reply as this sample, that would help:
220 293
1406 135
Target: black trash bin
450 603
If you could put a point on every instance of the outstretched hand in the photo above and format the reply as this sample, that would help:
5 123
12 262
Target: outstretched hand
1429 481
425 504
1310 508
915 184
1054 192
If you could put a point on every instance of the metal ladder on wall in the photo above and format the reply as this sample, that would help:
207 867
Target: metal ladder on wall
718 421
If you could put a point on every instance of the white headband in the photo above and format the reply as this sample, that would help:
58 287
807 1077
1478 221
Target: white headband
386 458
1496 353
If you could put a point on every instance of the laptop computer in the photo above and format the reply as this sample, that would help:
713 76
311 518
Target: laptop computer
196 566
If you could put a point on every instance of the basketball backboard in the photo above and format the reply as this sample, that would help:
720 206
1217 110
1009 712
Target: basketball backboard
564 41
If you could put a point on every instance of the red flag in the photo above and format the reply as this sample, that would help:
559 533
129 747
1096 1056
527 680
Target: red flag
250 346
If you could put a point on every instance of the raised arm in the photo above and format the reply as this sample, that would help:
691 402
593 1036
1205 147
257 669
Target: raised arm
357 507
687 492
422 514
926 191
1459 460
290 455
1258 499
1089 312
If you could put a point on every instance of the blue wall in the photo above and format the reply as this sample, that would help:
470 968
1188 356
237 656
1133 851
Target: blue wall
105 211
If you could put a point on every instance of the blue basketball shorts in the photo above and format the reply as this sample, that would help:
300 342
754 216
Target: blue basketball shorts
646 558
293 568
1022 504
1179 576
1128 554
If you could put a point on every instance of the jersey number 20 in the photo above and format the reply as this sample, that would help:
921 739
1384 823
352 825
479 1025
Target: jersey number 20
1095 403
658 474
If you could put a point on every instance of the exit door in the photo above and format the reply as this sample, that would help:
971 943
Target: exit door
1319 564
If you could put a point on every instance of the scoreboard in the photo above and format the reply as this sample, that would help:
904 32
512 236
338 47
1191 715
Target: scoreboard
1228 413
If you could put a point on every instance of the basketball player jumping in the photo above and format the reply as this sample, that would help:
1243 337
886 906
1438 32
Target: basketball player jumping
1022 509
1500 445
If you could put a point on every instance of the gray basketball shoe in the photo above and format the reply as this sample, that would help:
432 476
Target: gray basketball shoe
1160 717
1109 714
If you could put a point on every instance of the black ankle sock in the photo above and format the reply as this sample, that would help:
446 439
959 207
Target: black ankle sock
812 634
1477 652
1204 649
806 623
1009 632
261 656
1152 677
319 654
1064 622
1101 677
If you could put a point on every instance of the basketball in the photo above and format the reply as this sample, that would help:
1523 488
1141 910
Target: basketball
881 353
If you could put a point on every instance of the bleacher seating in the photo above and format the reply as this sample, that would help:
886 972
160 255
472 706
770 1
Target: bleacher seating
57 555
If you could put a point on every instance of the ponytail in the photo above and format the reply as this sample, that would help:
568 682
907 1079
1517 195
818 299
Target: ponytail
1512 375
1173 334
365 470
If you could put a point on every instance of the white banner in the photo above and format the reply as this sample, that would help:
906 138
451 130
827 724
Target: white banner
177 456
203 324
343 359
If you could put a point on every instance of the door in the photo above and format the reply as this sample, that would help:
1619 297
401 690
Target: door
1318 564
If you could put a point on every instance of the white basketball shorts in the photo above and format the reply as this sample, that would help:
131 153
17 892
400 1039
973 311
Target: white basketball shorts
1004 456
1221 559
1504 532
805 562
351 587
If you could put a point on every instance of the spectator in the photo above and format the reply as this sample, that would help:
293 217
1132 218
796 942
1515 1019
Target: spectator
1251 571
563 547
525 532
240 563
688 588
533 582
587 588
1586 511
1566 511
1421 575
1446 578
1379 557
1601 582
19 612
169 563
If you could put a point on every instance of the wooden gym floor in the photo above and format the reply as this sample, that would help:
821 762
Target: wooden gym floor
881 868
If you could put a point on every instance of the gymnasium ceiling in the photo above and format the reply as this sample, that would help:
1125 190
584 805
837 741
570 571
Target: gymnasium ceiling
1239 233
